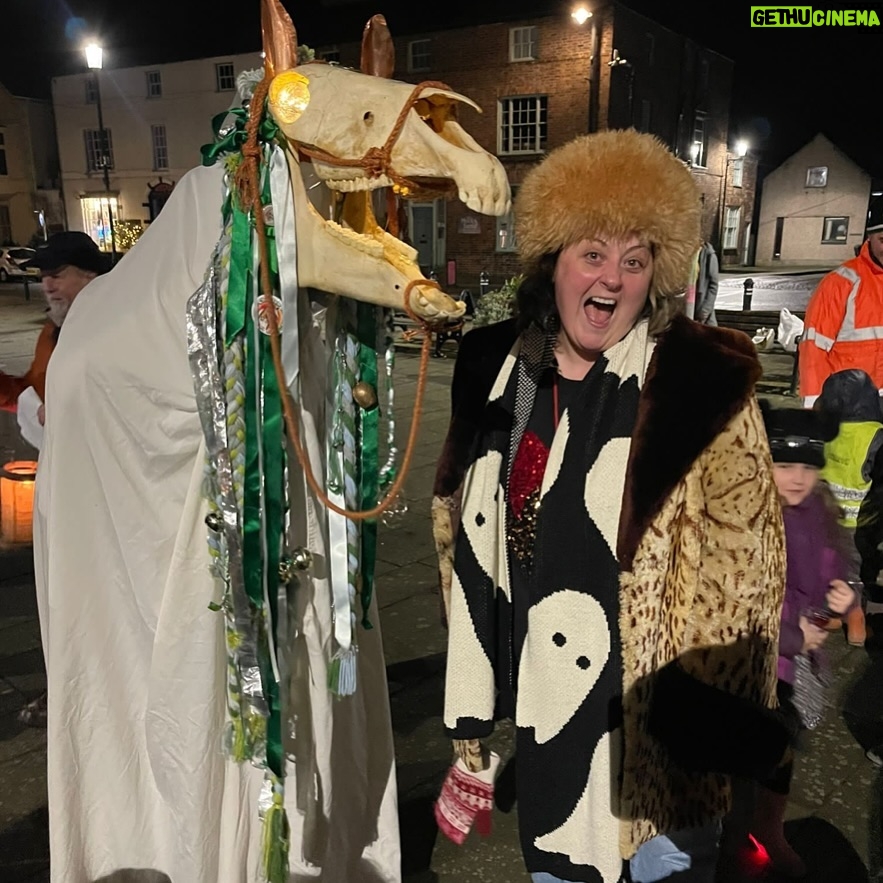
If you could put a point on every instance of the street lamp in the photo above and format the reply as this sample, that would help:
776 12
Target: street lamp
581 14
94 55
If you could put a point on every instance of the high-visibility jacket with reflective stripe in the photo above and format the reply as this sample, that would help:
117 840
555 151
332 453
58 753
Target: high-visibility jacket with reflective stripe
844 324
845 458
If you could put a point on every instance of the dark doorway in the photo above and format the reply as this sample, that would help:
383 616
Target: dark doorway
777 241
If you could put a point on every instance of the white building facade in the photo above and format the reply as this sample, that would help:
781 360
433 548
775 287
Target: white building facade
813 208
157 117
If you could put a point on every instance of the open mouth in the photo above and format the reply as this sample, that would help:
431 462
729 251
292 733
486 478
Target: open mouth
599 311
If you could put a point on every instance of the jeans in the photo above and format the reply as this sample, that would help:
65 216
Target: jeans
688 856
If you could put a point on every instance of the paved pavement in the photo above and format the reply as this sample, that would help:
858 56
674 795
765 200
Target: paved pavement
837 804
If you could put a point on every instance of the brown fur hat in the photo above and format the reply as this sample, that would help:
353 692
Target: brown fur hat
612 184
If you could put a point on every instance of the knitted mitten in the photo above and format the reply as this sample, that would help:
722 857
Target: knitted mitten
466 798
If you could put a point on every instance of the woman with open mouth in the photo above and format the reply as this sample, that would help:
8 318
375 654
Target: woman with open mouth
616 565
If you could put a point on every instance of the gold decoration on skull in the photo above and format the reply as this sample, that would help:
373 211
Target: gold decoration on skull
289 97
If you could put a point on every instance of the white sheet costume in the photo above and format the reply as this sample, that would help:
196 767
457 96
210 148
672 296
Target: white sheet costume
134 656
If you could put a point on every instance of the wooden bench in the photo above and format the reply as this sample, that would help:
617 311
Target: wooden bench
412 332
750 321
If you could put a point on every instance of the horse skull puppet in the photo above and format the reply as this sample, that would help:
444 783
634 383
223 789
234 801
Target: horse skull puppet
345 136
165 426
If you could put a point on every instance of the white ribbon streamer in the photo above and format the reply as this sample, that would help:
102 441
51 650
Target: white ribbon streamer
286 251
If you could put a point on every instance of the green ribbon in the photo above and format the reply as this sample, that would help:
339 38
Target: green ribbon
369 479
264 479
234 139
239 285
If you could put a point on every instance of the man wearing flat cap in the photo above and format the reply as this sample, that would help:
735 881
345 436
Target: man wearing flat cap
844 318
68 261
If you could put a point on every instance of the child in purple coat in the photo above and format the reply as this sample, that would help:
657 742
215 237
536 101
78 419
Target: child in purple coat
817 562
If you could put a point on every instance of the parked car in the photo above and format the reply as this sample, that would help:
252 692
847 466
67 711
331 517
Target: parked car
12 261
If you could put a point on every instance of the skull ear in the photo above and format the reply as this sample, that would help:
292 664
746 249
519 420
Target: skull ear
280 38
378 53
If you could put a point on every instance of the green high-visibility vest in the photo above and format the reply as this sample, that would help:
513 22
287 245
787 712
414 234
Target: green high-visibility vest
844 458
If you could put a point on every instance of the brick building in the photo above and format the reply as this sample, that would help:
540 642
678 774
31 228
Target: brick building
543 80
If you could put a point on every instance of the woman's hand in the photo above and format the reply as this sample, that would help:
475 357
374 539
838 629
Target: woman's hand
840 597
813 636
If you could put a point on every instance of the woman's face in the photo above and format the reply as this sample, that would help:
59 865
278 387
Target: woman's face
601 287
795 481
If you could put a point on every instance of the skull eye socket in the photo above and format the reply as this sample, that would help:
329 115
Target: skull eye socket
368 118
435 111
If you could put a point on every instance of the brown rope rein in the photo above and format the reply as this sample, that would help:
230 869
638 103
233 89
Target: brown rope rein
377 161
248 185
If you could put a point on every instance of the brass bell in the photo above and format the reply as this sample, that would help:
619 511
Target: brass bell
286 569
365 395
213 521
302 558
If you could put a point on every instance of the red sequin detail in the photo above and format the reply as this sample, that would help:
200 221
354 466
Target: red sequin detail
527 471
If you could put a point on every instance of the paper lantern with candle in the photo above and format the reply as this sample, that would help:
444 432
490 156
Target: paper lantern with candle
17 501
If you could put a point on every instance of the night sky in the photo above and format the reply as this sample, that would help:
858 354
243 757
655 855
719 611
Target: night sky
790 83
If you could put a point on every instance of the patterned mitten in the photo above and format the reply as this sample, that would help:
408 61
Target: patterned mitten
466 798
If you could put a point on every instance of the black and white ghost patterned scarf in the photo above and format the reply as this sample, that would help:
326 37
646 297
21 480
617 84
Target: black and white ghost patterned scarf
568 683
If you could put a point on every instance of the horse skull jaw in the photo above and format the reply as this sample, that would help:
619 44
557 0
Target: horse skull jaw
340 255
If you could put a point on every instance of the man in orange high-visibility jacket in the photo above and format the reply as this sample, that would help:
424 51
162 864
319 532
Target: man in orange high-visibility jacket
844 319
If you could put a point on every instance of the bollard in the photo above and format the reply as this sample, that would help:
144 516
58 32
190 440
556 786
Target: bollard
747 294
27 290
484 283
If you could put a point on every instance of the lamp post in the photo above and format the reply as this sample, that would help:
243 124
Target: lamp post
581 14
739 152
94 56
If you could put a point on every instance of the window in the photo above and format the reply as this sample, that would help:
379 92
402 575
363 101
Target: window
5 225
91 90
834 231
505 241
154 84
651 49
419 55
160 147
523 124
331 55
225 77
4 168
738 168
98 152
699 147
817 176
96 218
644 125
523 44
732 216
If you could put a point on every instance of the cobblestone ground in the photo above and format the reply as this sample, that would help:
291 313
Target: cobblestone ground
836 805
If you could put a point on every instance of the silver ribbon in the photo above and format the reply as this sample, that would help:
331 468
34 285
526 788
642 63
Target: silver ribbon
202 350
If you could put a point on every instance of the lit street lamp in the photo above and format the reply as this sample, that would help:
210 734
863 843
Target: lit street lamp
580 14
94 55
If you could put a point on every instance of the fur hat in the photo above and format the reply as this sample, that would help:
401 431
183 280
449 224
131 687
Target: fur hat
612 184
797 435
